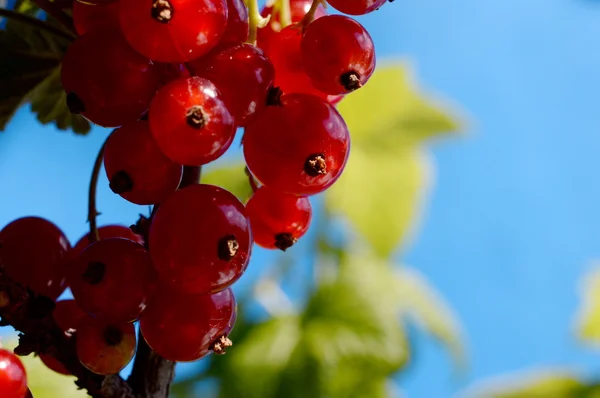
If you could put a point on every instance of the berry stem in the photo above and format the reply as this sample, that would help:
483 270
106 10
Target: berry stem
61 17
92 211
38 23
255 20
285 12
310 15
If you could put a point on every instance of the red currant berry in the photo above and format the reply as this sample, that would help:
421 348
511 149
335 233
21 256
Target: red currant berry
205 265
97 2
105 348
190 122
13 379
356 7
278 220
298 9
173 30
284 53
67 315
170 72
136 168
338 54
106 80
33 252
237 29
87 17
54 364
243 75
182 327
309 157
105 232
110 279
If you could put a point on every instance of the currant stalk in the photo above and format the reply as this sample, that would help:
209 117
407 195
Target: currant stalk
92 211
256 20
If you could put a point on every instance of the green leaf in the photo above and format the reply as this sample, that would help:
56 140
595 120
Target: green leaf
588 318
233 178
390 111
381 195
419 302
30 59
546 384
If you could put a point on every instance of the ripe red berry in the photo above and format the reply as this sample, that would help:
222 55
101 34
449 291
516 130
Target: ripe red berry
237 28
200 239
173 30
298 9
278 220
338 54
169 72
184 327
105 348
111 279
105 232
13 379
54 364
33 252
190 123
356 7
243 76
87 17
106 80
309 157
136 168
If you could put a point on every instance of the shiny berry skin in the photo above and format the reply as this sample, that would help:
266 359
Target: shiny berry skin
173 30
200 239
105 232
356 7
298 9
54 364
136 168
87 17
169 72
107 92
111 279
13 379
278 220
190 123
338 54
185 327
243 76
237 28
33 252
105 348
309 157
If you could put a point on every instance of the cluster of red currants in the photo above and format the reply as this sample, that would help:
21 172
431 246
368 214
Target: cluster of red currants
178 77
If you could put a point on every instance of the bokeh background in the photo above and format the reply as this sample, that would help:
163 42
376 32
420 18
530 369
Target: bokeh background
509 226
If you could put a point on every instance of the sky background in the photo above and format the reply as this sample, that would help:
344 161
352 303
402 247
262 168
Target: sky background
512 223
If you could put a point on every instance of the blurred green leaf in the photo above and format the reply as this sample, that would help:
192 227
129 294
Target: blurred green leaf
552 384
588 319
380 195
390 111
421 303
231 177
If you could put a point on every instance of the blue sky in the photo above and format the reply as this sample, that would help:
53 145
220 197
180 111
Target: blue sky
513 221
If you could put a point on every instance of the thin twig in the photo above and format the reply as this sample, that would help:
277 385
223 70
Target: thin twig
58 14
92 211
255 20
310 15
38 23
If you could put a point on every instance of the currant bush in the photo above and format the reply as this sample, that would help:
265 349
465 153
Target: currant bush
201 323
309 157
105 348
33 252
136 168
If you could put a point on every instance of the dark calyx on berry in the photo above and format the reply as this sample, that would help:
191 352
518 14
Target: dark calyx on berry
75 104
94 273
195 117
113 335
351 81
221 344
121 182
227 248
315 165
274 96
162 11
284 241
